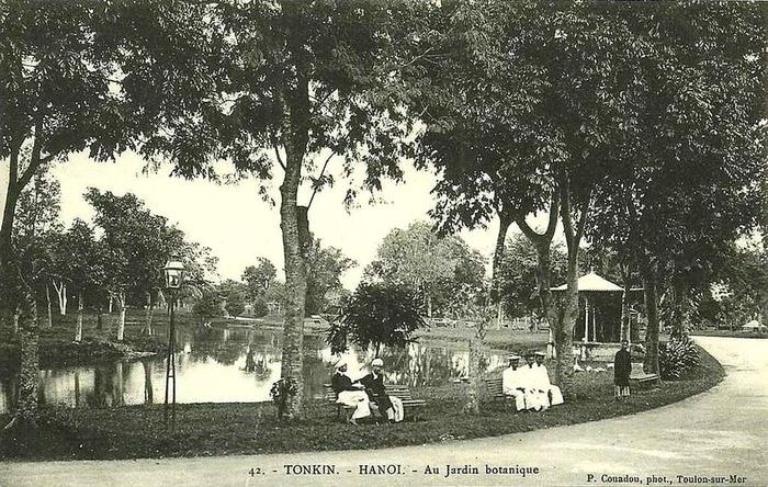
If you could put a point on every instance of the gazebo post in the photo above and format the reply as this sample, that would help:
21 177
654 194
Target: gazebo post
586 318
594 325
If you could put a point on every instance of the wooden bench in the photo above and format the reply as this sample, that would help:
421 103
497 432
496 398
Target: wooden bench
638 375
411 406
495 389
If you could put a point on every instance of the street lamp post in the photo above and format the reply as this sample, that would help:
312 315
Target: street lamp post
174 276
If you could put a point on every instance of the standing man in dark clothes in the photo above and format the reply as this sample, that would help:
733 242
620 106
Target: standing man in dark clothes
622 367
374 386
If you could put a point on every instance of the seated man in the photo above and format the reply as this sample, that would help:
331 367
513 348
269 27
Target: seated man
389 407
512 382
554 396
350 394
535 393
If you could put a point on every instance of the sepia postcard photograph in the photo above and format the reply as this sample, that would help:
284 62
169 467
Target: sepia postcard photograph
383 243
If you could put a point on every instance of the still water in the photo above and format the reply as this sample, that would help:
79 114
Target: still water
210 367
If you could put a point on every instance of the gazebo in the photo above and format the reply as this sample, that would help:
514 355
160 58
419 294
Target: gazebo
592 287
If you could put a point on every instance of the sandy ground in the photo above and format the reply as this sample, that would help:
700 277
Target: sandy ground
719 437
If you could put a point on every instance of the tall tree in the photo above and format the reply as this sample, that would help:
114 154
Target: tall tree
433 266
325 266
259 277
692 149
284 84
37 225
139 243
61 91
534 134
519 275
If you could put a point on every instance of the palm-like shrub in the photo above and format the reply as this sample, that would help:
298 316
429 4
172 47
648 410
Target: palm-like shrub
678 357
376 314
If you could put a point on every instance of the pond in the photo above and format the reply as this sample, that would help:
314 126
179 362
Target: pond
210 367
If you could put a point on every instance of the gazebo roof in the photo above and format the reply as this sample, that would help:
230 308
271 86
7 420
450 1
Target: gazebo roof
592 283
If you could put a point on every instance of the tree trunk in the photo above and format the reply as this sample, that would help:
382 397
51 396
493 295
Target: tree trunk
9 211
79 328
111 300
16 317
149 392
679 308
544 282
99 318
429 305
651 361
564 324
49 305
473 371
121 322
625 309
77 389
505 220
148 315
118 387
295 265
26 406
570 309
61 293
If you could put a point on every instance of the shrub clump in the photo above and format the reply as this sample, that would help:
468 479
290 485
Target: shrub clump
678 357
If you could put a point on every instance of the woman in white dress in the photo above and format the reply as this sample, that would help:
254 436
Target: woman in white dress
350 394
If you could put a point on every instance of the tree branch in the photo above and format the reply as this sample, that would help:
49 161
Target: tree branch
322 172
554 212
276 146
35 160
583 217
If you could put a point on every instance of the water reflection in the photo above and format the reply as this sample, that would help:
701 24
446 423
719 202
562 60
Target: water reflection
212 368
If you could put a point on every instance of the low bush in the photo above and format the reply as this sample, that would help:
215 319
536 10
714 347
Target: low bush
678 357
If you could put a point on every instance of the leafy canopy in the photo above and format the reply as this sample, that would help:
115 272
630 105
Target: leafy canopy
376 314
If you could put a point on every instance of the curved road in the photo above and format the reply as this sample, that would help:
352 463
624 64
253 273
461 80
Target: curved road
719 437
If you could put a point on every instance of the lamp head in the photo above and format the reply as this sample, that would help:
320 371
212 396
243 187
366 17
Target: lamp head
174 273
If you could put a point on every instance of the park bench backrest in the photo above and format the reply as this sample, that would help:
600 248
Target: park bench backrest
637 369
397 390
495 386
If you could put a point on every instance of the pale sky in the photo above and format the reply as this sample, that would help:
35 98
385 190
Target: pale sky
239 226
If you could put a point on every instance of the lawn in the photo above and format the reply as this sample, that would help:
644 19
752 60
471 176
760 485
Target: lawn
730 333
246 428
503 339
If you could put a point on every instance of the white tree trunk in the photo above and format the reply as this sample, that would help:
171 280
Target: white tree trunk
121 323
79 329
16 315
111 301
61 292
50 308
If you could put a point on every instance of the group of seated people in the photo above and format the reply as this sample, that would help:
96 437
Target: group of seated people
529 385
361 393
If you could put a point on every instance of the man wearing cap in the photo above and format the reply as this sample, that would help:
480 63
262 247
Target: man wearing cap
535 394
349 393
512 384
553 394
374 387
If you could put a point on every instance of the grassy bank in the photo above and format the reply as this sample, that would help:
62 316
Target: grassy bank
57 345
219 429
503 339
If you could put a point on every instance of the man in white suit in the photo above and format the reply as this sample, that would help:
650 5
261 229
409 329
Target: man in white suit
513 382
553 394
